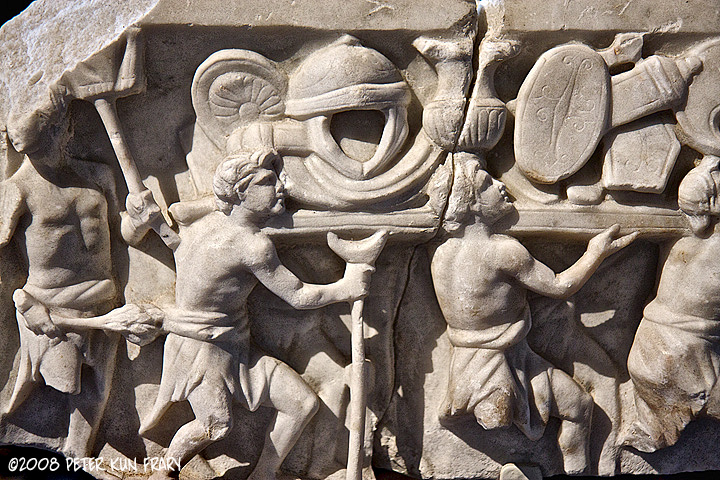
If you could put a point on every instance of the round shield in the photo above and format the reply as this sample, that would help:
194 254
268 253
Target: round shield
562 112
699 117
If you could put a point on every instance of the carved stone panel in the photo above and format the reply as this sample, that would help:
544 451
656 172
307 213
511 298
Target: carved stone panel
308 240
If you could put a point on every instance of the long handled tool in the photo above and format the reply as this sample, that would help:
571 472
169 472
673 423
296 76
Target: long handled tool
357 251
97 81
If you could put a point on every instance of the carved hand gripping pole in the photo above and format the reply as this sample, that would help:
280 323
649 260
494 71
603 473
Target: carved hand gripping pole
89 82
357 251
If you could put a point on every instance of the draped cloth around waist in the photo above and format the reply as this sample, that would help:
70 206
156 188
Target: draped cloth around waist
210 348
706 328
58 361
89 298
674 364
498 337
495 376
206 326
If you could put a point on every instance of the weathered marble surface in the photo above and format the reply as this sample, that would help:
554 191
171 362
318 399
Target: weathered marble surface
173 174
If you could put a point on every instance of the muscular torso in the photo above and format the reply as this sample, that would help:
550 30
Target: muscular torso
690 279
211 271
64 233
472 290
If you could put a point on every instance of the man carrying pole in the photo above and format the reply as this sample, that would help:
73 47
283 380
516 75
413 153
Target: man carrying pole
209 358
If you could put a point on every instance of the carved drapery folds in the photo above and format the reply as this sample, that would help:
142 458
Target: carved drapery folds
306 240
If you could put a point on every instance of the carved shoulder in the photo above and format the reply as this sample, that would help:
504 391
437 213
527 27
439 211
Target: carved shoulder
685 250
256 250
97 173
509 255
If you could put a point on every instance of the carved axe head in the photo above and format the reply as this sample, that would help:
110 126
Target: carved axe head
107 75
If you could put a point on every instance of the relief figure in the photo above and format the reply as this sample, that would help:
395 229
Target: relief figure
209 358
674 362
60 210
481 279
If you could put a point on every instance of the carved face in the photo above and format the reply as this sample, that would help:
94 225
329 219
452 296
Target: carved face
698 192
491 199
264 196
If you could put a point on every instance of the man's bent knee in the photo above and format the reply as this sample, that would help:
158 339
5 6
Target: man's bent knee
308 406
576 405
582 410
218 429
291 395
303 406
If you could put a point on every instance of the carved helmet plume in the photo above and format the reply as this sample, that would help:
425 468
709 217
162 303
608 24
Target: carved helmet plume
345 76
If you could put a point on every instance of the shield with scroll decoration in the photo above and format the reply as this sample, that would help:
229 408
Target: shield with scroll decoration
562 112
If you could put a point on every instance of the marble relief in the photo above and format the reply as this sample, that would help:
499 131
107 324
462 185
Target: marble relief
308 240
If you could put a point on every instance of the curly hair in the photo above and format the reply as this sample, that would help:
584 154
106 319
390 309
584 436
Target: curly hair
232 177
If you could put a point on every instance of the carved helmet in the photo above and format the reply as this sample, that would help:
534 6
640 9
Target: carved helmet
347 76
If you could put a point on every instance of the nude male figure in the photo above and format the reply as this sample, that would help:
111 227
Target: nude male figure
58 208
209 358
674 362
481 280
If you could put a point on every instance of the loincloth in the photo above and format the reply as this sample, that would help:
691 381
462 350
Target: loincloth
227 362
674 364
497 377
58 361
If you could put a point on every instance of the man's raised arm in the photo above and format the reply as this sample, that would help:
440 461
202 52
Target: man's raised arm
12 208
268 269
517 262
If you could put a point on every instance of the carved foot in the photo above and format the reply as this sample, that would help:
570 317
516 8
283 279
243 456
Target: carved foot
510 471
574 463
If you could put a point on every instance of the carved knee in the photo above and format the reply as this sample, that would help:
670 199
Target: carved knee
303 402
585 405
309 405
218 429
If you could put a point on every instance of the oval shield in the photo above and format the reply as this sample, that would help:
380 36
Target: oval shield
562 112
